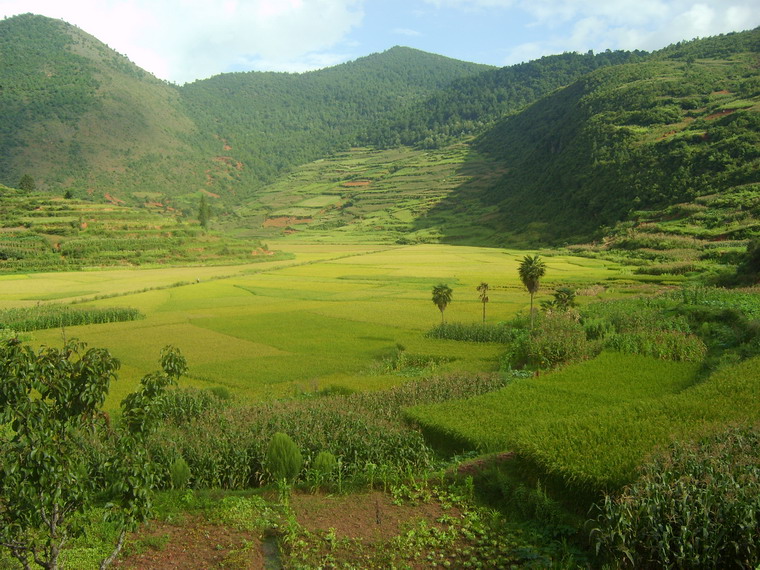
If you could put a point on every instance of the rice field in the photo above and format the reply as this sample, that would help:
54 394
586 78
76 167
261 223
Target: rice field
593 424
325 318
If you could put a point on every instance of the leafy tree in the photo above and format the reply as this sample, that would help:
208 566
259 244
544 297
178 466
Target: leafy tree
483 290
204 212
27 183
531 270
749 268
50 407
564 299
442 297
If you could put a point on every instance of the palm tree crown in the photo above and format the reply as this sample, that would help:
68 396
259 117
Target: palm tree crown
442 297
531 270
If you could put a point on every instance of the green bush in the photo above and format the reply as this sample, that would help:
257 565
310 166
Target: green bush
283 459
557 338
696 506
324 463
180 473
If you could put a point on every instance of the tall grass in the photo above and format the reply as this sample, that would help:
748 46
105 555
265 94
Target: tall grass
53 316
365 431
592 424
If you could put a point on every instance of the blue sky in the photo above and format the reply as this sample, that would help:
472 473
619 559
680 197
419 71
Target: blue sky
184 40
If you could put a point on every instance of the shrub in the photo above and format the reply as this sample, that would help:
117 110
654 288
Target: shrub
283 459
475 332
180 473
557 338
324 463
696 506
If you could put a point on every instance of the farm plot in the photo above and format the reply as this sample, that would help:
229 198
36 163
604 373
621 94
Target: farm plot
593 423
330 318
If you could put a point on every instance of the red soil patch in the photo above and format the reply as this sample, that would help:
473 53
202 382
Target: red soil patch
284 221
371 517
357 183
194 545
722 113
210 194
113 199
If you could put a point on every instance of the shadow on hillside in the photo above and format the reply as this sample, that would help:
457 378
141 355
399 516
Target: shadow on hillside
469 215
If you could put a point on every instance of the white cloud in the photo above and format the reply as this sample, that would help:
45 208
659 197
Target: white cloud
182 40
580 25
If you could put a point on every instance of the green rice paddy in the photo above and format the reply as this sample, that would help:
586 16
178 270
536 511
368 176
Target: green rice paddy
326 318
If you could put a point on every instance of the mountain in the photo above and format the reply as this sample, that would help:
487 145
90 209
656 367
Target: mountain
681 124
75 114
271 122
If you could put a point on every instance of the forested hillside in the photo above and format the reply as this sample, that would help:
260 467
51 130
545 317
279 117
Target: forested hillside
270 122
76 115
681 125
469 105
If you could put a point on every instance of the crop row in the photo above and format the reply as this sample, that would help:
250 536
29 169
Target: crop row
226 446
85 247
53 316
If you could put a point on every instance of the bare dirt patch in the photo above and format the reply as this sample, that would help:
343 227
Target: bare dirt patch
285 221
356 183
370 517
194 545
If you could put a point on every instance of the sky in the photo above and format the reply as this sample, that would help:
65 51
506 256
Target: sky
184 40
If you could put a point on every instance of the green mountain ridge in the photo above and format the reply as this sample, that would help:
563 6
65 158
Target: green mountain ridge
565 146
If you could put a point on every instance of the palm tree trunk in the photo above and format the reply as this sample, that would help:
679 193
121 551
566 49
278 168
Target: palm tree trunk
531 311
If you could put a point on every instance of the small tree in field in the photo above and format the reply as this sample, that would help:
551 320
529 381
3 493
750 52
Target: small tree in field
51 402
531 270
27 183
204 212
483 290
442 294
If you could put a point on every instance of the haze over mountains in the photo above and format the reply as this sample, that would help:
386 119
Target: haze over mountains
573 142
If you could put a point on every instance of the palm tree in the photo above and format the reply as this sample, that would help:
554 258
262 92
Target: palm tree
442 297
483 290
531 271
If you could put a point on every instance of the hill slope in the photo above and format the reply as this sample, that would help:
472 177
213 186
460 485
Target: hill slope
681 125
75 114
271 122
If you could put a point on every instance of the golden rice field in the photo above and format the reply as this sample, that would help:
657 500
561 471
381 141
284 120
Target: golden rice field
326 318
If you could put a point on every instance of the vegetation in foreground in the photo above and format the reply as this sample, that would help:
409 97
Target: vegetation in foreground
344 443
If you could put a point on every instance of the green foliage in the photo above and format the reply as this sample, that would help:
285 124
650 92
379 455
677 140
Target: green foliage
670 345
531 270
27 183
179 473
204 212
140 409
694 506
283 460
226 448
474 332
59 458
558 338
